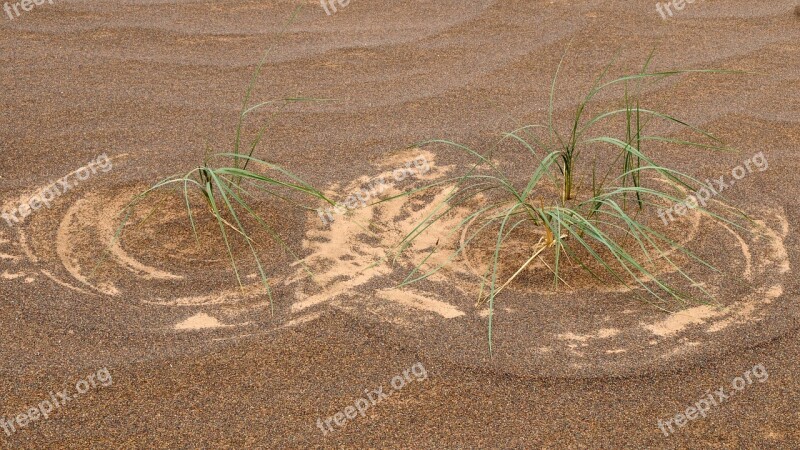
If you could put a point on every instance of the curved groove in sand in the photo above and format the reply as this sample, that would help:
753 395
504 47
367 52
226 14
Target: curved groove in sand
64 249
748 257
23 244
107 231
65 284
79 216
344 257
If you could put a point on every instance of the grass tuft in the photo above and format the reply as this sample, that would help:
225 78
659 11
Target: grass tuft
583 196
225 180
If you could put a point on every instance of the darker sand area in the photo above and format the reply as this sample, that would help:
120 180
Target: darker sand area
198 362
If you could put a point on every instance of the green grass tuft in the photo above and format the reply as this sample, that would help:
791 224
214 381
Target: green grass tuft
583 194
224 180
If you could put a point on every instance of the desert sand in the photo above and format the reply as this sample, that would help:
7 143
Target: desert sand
198 362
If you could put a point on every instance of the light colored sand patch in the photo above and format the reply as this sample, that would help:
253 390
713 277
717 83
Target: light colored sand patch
607 333
720 325
338 288
748 310
289 324
573 350
603 333
341 258
774 292
301 320
227 297
417 301
198 322
616 351
778 254
774 435
684 348
11 276
339 261
678 321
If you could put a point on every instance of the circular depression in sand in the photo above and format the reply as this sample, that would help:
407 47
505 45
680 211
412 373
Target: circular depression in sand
184 283
582 327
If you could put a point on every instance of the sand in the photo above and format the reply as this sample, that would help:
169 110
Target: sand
199 362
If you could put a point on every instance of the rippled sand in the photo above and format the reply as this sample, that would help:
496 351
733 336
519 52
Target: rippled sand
198 362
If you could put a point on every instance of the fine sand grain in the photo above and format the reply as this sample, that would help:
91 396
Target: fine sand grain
201 362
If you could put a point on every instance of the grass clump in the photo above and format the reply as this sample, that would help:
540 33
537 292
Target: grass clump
580 201
226 182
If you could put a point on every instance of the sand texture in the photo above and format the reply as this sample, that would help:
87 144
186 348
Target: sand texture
201 362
